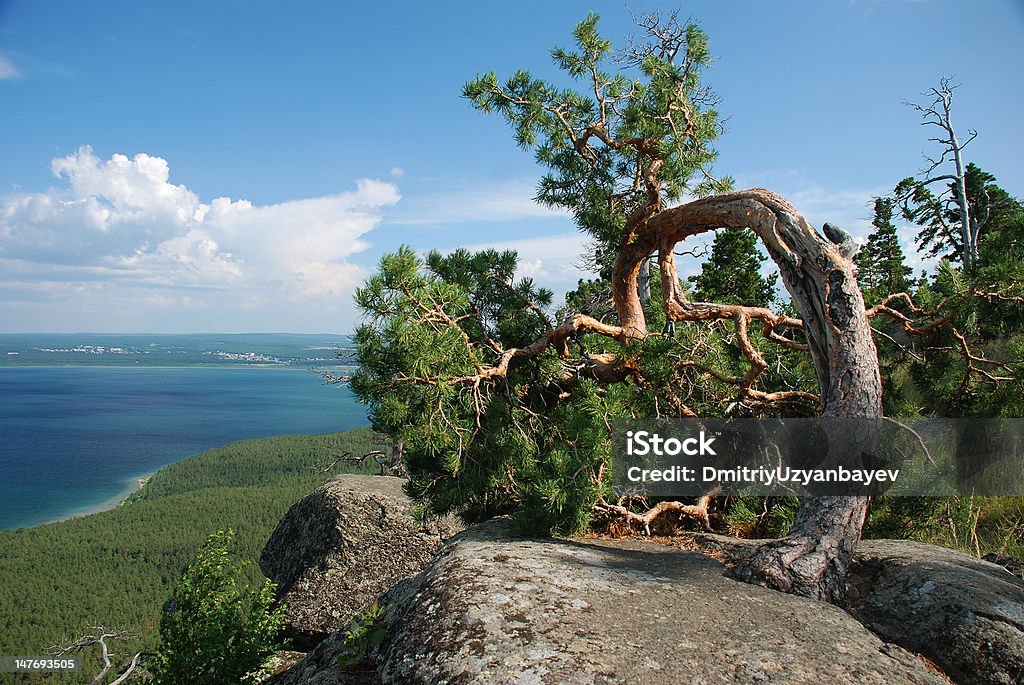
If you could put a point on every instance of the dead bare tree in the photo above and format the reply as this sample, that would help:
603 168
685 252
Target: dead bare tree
100 637
938 113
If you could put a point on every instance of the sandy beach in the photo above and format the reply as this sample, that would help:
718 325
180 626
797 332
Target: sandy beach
133 486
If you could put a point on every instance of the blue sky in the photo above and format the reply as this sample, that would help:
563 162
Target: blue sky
241 166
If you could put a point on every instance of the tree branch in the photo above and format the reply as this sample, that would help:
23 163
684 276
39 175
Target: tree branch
100 638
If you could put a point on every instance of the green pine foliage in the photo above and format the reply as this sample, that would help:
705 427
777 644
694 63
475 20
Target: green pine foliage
881 265
216 627
732 272
475 449
650 91
939 232
117 567
535 441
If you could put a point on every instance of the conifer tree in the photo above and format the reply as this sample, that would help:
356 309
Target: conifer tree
732 273
493 425
882 268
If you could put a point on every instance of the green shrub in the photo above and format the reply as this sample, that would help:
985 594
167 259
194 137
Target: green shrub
215 628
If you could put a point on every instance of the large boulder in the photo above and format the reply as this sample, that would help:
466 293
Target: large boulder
339 548
493 608
965 614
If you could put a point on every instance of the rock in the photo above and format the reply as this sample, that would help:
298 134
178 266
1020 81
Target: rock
964 614
343 545
492 608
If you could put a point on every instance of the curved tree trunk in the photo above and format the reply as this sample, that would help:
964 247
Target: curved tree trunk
812 560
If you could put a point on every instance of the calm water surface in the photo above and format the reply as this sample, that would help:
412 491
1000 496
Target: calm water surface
72 438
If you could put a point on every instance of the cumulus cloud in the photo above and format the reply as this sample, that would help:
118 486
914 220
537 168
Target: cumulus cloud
122 220
7 69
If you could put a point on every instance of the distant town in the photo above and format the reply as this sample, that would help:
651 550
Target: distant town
281 350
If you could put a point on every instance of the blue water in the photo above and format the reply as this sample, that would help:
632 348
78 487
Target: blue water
72 438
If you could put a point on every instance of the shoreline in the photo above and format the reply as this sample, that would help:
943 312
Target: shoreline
135 485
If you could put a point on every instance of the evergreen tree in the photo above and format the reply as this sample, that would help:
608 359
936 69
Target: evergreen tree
732 274
989 207
500 418
882 268
626 144
998 210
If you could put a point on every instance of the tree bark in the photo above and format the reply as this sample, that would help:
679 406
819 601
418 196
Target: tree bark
812 560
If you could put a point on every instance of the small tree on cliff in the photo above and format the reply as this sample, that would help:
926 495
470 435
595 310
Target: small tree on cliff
517 418
215 628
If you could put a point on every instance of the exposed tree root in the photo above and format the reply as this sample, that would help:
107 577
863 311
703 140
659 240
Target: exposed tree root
699 511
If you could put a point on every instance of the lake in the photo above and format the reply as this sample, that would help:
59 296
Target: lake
75 437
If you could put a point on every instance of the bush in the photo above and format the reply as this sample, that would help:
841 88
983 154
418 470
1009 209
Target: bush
216 627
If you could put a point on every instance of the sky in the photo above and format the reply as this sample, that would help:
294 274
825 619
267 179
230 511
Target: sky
237 166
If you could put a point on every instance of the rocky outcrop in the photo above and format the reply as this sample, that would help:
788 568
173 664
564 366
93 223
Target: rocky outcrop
965 614
492 608
343 545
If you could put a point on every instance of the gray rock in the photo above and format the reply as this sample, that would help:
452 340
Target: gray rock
339 548
964 614
492 608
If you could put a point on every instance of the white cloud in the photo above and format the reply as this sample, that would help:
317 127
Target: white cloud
474 202
397 172
122 221
7 69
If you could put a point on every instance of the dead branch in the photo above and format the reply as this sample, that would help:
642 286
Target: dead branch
382 458
699 511
100 638
917 436
926 321
972 359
